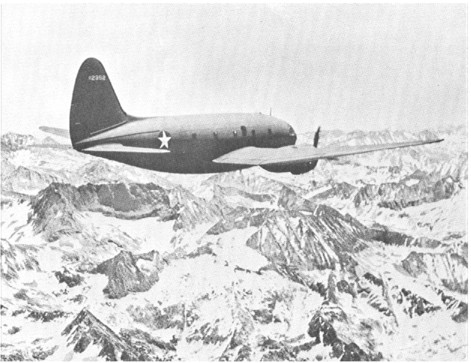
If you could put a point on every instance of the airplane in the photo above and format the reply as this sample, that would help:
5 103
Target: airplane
189 144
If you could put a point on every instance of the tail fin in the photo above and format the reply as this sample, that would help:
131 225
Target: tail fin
95 107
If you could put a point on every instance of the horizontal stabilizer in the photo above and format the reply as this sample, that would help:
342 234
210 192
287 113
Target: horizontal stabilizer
55 131
119 148
300 154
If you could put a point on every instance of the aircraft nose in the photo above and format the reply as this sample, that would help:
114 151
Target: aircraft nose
292 134
291 131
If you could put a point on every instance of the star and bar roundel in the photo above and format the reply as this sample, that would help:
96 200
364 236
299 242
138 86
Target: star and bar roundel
164 138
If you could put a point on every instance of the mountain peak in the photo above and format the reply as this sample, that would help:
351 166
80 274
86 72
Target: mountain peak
87 330
124 276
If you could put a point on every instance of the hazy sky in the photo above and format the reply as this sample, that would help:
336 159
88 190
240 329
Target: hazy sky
340 66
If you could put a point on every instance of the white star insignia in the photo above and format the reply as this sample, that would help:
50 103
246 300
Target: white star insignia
164 139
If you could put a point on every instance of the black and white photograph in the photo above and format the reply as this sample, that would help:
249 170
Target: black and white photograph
234 182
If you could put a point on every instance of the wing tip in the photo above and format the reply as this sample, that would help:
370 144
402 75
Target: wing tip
55 131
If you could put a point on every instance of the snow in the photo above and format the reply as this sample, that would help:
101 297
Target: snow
211 287
317 191
149 233
434 337
66 354
411 182
13 218
232 249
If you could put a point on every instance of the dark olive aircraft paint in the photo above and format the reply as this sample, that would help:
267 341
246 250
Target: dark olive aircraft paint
177 144
191 143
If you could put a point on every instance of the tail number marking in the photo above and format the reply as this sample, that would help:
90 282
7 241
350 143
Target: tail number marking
97 77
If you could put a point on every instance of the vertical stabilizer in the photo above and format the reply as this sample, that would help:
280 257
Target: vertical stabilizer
95 107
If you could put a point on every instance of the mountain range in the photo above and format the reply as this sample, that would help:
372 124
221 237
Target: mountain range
363 258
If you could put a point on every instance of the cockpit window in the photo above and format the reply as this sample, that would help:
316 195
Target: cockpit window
291 131
270 132
244 130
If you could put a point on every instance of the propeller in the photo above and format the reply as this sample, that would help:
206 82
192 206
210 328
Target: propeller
316 136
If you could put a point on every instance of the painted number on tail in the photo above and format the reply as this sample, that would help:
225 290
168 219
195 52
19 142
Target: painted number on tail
97 77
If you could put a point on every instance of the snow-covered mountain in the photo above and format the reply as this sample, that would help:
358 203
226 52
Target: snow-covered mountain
12 141
363 258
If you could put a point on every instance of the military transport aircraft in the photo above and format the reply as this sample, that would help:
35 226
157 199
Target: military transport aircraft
205 143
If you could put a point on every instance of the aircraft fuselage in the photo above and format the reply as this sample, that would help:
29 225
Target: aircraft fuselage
188 144
207 143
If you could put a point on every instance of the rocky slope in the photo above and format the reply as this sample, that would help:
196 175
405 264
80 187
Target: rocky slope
124 276
54 208
88 337
13 142
364 258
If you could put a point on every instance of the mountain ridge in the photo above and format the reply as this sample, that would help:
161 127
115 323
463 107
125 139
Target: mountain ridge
342 262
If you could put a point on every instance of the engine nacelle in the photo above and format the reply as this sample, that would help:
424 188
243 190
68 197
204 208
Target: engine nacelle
295 169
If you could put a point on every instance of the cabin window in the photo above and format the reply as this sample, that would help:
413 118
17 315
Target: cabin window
244 130
270 132
193 136
234 133
253 133
215 134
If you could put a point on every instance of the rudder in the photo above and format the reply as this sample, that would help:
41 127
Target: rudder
95 107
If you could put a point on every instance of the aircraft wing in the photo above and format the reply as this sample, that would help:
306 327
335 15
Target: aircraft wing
55 131
304 153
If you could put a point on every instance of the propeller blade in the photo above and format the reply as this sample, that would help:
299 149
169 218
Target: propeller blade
316 136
